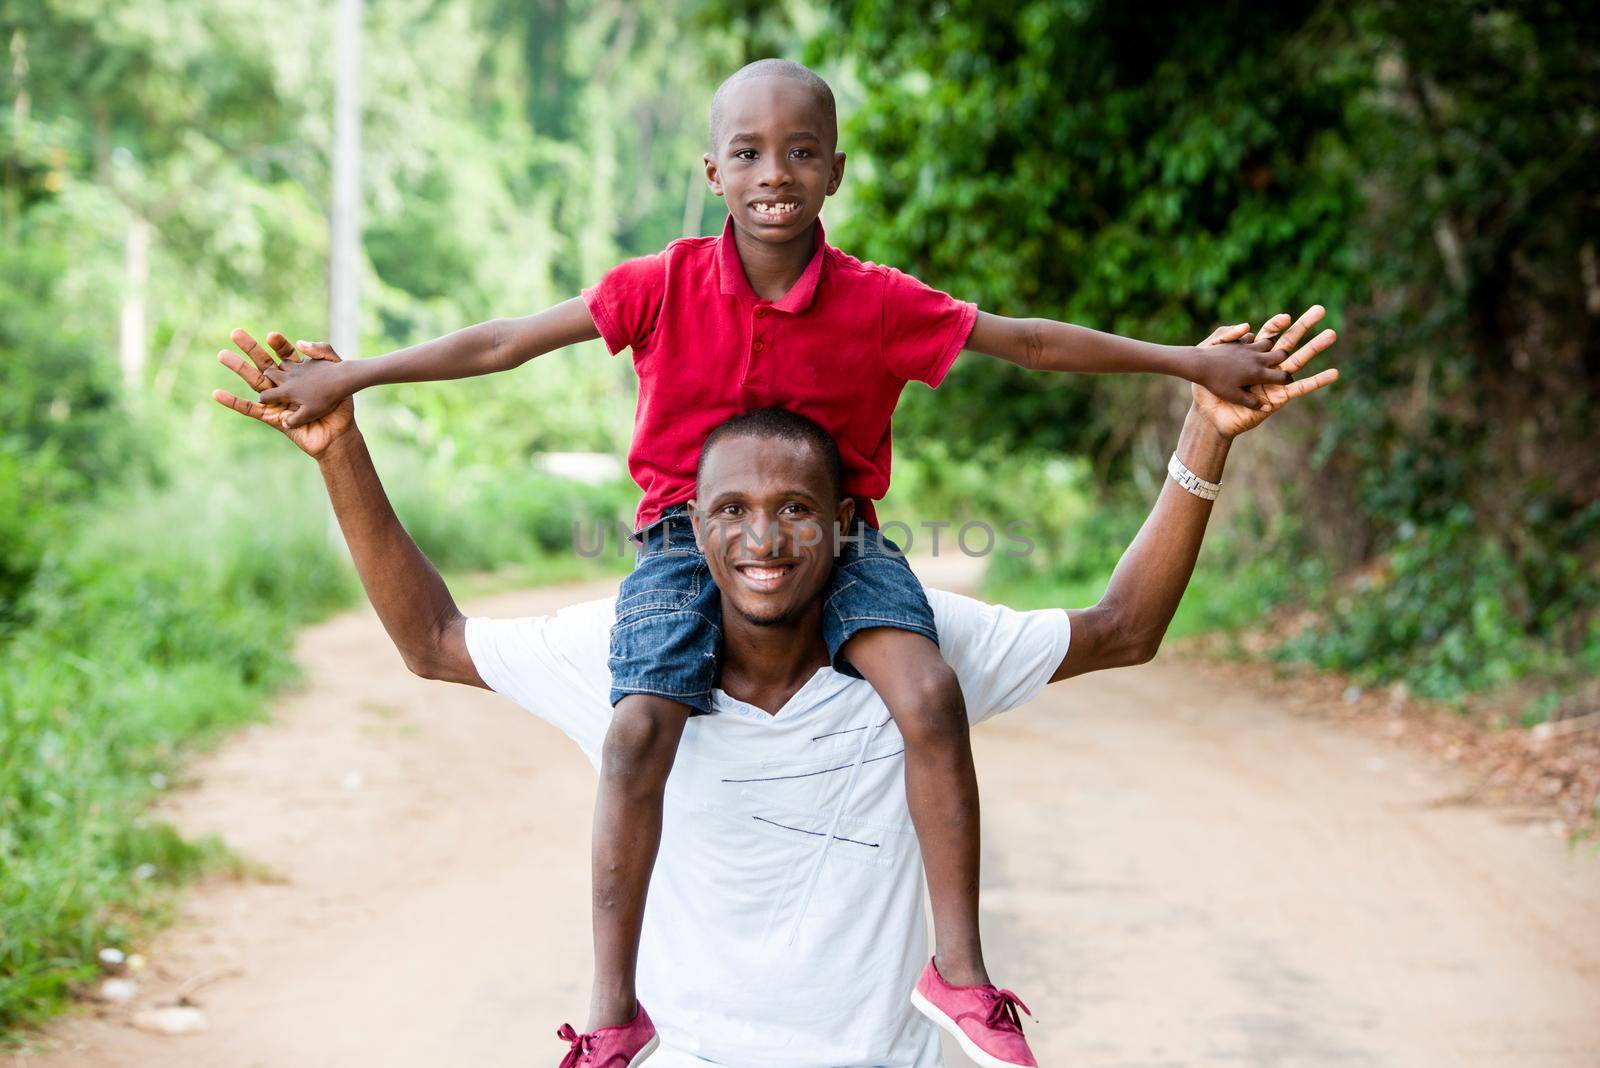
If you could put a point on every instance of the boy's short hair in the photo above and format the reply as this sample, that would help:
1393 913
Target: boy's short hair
777 68
779 424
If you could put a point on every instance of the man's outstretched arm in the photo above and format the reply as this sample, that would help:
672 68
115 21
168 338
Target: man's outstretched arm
411 599
1127 624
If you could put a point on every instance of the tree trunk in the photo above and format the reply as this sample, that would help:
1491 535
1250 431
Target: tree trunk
132 340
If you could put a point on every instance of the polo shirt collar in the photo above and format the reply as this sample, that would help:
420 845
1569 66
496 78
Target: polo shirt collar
733 283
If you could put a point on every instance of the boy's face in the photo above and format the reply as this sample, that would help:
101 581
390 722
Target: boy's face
774 160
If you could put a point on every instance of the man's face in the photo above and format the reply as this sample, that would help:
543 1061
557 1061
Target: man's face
764 513
774 160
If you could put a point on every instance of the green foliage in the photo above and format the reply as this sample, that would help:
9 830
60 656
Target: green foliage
146 604
1439 612
1114 166
145 639
60 431
1052 501
479 518
1425 171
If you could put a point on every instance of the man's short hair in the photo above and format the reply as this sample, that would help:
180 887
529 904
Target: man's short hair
779 424
777 68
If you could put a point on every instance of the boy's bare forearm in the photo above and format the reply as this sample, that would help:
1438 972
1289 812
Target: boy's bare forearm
1065 347
406 591
486 348
1048 345
1228 370
466 353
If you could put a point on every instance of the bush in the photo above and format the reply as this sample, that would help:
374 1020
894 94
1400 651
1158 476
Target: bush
146 638
159 617
482 518
62 428
1449 612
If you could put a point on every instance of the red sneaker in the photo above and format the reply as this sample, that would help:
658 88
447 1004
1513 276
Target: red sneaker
626 1046
983 1019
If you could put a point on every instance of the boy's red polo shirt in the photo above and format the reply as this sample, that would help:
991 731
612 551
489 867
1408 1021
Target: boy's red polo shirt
839 348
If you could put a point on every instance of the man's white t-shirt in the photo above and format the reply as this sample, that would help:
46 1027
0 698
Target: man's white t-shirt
784 923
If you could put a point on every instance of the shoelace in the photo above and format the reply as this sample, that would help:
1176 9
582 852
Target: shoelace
581 1044
1003 1011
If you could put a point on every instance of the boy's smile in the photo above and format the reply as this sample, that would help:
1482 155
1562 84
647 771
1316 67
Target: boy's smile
773 158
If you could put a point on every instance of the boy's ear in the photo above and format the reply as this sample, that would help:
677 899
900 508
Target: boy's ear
834 178
714 176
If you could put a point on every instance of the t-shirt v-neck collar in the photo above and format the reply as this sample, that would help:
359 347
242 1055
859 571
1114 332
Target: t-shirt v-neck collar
821 685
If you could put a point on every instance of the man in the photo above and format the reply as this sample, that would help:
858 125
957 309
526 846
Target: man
784 923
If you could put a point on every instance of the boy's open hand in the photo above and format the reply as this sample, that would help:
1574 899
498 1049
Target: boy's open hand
307 390
1233 370
1232 418
312 435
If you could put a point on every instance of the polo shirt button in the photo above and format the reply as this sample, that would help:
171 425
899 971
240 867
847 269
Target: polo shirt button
758 346
760 312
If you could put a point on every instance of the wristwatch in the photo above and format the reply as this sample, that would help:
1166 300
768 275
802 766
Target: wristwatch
1191 481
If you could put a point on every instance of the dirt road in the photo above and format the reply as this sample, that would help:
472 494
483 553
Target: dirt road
1175 876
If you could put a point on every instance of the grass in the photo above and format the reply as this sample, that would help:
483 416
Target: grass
1433 616
1215 599
158 623
161 619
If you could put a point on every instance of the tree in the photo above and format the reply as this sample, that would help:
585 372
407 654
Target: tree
1427 171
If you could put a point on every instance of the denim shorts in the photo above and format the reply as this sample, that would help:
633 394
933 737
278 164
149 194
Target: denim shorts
668 633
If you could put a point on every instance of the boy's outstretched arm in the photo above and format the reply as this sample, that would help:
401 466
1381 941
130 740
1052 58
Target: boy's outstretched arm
310 389
1228 370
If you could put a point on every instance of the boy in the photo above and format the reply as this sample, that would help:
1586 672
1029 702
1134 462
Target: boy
770 314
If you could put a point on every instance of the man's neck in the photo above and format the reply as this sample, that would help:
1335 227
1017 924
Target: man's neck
773 269
764 666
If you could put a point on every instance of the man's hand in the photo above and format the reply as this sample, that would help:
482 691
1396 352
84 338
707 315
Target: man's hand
313 435
407 593
1231 417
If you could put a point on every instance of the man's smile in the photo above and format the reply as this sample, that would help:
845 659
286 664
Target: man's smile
765 576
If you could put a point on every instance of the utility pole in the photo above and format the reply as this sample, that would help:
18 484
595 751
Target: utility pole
344 244
344 227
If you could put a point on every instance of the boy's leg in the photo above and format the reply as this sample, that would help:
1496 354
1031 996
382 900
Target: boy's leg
924 698
639 749
664 641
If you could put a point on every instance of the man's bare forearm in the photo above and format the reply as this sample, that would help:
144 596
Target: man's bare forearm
410 598
1127 625
487 348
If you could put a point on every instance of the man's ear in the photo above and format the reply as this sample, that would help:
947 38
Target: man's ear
846 517
835 177
694 521
714 174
